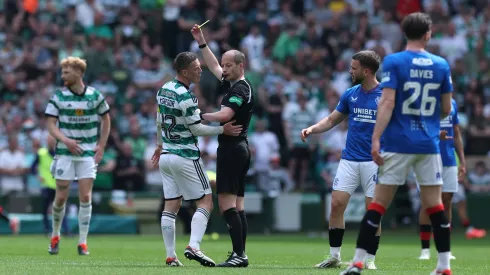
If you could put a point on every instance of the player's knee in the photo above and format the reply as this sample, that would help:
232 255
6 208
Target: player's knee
338 206
206 202
173 205
226 201
59 201
85 198
447 201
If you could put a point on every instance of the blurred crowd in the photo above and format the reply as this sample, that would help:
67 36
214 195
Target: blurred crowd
298 51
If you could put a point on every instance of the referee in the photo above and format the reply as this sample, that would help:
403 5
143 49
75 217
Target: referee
233 158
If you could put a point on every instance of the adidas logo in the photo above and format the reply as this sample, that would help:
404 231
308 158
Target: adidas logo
69 105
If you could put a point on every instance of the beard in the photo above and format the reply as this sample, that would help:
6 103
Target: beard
68 83
357 80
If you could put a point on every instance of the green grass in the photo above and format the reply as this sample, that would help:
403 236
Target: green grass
280 254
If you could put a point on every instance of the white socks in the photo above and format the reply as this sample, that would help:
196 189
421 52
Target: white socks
57 219
443 261
84 215
335 252
360 255
168 232
198 227
370 257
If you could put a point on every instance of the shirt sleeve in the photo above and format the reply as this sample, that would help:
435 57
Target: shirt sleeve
389 76
52 108
102 107
447 82
455 116
343 105
190 110
238 96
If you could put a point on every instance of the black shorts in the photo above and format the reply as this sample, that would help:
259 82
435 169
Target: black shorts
232 164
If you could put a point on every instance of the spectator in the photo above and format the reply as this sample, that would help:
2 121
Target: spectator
480 178
12 167
297 119
290 46
278 178
265 145
128 174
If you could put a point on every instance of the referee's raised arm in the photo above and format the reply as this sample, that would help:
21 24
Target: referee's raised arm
209 58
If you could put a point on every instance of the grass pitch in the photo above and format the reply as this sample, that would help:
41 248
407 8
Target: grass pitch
277 254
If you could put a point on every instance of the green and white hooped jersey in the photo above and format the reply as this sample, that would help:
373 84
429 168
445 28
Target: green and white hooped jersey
177 109
78 119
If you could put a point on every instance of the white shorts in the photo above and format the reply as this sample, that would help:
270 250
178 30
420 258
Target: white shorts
427 168
64 168
450 179
460 195
183 178
351 174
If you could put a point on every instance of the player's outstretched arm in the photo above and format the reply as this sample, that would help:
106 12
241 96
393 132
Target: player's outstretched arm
329 122
223 115
207 54
324 125
228 129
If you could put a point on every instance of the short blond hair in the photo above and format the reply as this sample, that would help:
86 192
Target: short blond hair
74 62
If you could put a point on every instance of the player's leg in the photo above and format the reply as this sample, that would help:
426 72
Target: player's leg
304 162
47 202
240 207
346 181
173 201
240 200
13 222
390 175
230 162
425 232
461 206
194 185
3 215
428 170
86 172
63 170
369 177
449 188
292 167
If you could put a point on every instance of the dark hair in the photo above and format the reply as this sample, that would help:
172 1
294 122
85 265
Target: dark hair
368 59
183 60
416 25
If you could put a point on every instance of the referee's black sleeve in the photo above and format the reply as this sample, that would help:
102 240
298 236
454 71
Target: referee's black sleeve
239 95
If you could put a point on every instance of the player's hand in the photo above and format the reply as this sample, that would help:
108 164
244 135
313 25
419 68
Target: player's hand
73 146
377 158
232 130
443 135
197 34
99 153
461 172
155 159
305 133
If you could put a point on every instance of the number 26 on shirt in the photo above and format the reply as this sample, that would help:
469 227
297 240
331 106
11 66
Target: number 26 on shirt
427 104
